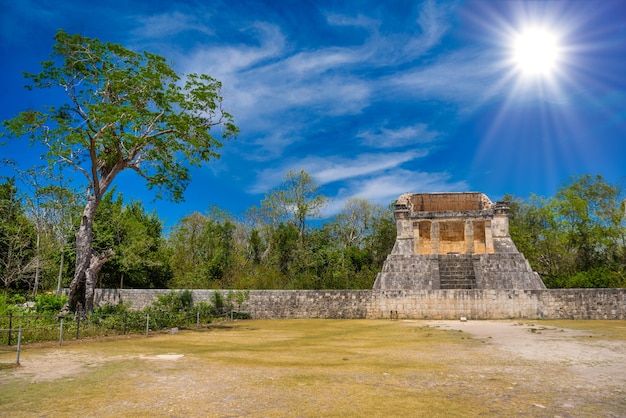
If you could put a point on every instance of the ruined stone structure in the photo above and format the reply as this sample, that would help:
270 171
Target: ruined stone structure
454 241
405 304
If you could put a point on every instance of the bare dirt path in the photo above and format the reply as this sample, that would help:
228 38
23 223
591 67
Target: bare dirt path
591 362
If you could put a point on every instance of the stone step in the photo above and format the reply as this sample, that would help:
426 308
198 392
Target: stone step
456 287
456 271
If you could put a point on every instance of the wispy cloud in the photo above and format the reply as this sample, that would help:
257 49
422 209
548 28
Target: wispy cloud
386 138
282 94
465 77
334 169
169 24
384 189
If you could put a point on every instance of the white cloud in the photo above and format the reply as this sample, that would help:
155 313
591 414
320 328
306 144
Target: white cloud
384 189
279 94
265 80
334 169
358 21
227 61
400 137
466 77
320 61
325 171
169 24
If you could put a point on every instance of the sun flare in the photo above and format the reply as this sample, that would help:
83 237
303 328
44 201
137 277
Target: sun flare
536 52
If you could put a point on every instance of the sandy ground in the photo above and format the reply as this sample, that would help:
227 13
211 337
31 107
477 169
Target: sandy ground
597 361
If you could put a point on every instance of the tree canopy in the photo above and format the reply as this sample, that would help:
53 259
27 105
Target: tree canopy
576 238
124 111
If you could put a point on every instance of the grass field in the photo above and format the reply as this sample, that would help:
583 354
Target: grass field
333 368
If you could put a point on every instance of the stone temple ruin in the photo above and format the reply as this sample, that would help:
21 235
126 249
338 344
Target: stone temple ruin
454 241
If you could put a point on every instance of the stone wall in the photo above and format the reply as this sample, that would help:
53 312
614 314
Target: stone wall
409 304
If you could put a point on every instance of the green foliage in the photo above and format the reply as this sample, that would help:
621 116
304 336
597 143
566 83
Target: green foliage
6 305
140 256
202 251
120 308
576 238
174 302
17 240
50 303
218 303
124 111
295 201
124 108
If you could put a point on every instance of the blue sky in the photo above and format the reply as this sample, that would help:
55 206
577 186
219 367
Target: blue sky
373 99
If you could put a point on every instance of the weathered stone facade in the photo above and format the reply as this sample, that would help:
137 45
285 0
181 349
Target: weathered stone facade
408 304
454 241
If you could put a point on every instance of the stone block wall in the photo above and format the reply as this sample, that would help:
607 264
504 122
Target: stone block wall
409 272
505 271
409 304
437 202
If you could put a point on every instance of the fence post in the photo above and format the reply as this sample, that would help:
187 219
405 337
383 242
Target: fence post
10 325
61 332
19 345
147 323
198 319
77 325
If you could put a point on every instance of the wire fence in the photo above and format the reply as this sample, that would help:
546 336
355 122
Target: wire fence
17 330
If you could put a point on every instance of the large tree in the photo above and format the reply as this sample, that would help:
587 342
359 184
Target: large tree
124 111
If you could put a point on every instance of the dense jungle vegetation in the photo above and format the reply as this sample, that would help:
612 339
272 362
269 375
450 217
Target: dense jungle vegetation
576 238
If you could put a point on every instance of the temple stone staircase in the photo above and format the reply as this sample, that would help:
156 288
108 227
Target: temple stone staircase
456 271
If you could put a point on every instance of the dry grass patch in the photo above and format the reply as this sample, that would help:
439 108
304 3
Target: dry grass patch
317 368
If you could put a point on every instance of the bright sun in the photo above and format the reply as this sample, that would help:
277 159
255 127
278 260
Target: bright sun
536 52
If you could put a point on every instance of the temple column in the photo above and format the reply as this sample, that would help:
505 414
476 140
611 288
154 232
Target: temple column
469 237
434 237
488 238
416 238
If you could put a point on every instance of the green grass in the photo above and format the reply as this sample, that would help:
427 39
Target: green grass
297 368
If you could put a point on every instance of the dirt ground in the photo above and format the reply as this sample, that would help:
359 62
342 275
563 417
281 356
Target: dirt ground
597 362
570 367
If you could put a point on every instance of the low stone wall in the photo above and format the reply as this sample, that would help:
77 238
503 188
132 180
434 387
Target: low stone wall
408 304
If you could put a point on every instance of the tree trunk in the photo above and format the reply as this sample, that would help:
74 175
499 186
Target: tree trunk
91 274
84 238
61 269
38 259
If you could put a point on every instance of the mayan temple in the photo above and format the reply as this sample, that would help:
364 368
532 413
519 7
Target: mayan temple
454 241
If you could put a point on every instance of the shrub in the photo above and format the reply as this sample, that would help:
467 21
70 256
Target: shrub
218 303
50 303
120 308
174 302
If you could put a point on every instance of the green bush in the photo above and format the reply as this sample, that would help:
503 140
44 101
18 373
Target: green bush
49 303
120 308
600 277
174 302
218 303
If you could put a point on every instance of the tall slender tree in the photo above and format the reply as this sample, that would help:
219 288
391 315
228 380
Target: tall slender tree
124 111
17 236
295 201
